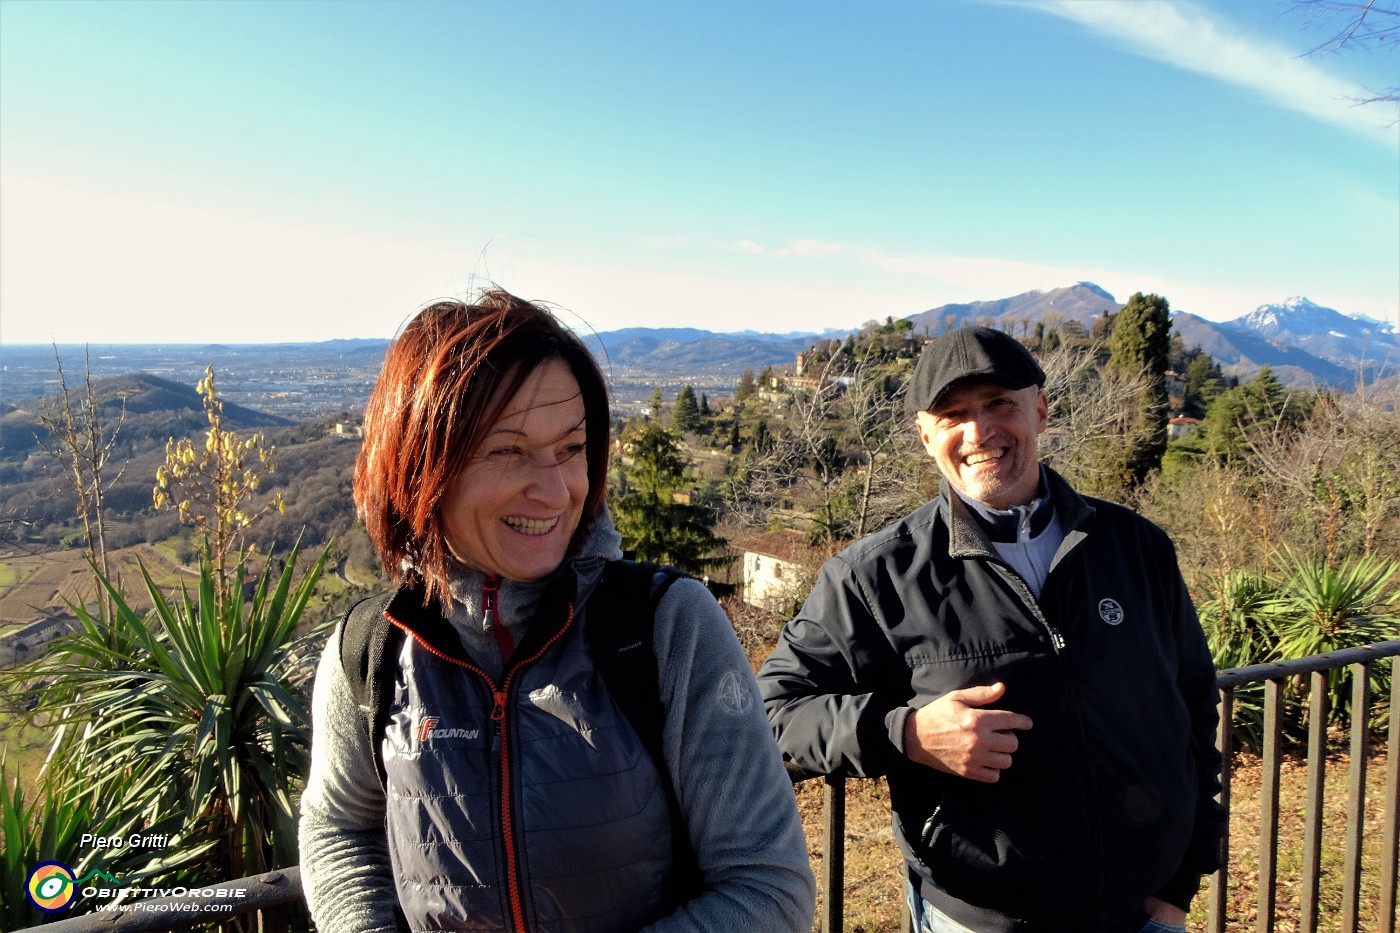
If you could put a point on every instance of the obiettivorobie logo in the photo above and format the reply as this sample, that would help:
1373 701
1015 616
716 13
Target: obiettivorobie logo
52 886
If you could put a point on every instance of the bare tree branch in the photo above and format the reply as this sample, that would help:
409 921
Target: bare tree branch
79 439
1364 25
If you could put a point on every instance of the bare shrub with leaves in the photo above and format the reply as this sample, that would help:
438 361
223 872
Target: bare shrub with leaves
1092 413
1338 473
82 441
845 447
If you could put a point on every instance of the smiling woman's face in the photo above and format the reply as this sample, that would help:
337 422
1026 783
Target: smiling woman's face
513 509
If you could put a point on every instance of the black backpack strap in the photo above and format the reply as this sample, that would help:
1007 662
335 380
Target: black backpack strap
620 638
369 648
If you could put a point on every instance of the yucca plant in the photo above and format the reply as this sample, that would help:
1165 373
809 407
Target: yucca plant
49 827
1327 606
1239 614
31 833
195 712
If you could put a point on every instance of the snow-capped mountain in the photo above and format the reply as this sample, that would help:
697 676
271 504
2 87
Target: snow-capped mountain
1303 342
1325 332
1299 317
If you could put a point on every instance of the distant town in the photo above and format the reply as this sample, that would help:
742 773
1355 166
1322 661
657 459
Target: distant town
301 382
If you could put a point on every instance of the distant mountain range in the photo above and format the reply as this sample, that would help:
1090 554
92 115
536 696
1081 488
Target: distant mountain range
148 408
1304 343
1081 302
685 352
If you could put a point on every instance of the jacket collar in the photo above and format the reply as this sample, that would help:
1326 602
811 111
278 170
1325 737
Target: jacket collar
966 537
518 604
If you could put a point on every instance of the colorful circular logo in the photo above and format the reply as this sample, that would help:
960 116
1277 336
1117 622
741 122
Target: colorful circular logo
51 886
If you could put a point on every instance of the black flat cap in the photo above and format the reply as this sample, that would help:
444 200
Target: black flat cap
970 353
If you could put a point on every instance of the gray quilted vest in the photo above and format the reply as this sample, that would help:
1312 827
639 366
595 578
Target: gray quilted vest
494 790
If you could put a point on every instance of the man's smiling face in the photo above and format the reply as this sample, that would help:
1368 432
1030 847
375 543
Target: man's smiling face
983 438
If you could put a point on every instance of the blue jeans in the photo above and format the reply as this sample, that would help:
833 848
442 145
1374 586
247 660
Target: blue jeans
926 918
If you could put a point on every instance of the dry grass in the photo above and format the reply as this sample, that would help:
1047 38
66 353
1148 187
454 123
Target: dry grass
874 885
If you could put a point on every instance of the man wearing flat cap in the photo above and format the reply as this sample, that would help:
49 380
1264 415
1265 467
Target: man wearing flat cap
1024 665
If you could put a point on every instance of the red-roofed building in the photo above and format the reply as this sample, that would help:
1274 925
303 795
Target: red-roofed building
774 570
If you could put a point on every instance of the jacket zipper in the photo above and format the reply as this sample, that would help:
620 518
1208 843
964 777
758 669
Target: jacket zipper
500 700
1057 638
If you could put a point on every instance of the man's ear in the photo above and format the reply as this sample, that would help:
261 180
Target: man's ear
1042 412
924 428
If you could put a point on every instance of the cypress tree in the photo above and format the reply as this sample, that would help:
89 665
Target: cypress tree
1140 343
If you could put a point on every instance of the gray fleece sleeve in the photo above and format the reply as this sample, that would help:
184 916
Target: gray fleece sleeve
345 868
736 796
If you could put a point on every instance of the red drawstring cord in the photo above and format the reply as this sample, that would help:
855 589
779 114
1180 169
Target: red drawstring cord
504 642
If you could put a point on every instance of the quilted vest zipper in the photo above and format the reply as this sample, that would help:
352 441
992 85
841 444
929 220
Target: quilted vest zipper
500 701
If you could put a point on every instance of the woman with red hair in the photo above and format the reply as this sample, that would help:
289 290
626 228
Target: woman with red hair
514 793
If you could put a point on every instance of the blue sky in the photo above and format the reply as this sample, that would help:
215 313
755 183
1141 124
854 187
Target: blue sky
290 171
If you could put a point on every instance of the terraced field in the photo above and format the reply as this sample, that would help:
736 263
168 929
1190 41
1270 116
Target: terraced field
32 583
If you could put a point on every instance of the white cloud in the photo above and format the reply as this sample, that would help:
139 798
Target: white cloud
1189 37
798 248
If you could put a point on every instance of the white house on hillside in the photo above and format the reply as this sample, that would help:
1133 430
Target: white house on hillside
773 570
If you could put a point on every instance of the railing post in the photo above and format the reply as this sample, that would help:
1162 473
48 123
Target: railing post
1318 710
1218 906
1356 797
273 920
834 851
1390 834
1268 805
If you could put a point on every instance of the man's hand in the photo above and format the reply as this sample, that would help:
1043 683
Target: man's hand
953 734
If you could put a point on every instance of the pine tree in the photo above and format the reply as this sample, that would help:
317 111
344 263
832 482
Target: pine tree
1240 417
1203 384
685 416
653 525
705 405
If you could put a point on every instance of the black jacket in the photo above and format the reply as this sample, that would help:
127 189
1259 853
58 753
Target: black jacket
1110 796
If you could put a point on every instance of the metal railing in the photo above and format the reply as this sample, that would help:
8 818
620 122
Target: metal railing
271 896
1273 677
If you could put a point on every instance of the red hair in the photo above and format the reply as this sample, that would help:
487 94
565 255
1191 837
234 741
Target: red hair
445 382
